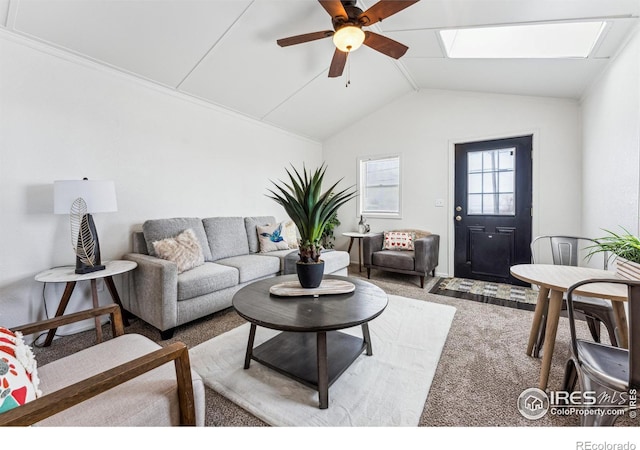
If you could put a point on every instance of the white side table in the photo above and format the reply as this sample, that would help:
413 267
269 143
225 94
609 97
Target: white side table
356 235
66 274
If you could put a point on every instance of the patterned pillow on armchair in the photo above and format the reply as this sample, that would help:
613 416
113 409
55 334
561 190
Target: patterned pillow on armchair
18 371
398 240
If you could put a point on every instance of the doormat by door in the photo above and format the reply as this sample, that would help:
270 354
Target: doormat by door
487 292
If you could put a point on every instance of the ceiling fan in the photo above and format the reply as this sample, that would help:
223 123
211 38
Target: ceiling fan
348 20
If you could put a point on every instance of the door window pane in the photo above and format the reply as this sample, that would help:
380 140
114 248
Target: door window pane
491 182
474 204
506 182
474 185
507 158
506 205
488 204
474 162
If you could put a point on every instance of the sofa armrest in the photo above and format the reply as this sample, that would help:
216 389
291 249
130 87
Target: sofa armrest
427 250
371 243
64 398
153 290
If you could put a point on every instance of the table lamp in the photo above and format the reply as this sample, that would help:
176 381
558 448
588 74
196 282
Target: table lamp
80 198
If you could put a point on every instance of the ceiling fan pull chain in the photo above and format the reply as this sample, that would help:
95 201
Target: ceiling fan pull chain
348 71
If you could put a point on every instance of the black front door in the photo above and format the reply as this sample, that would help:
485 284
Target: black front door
492 214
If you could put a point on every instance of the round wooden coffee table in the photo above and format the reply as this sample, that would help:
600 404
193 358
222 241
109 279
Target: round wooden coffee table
310 348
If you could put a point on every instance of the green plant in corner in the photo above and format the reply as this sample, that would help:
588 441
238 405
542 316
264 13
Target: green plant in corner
310 209
327 235
625 245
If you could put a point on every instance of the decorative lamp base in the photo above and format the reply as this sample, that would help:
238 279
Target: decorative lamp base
92 241
88 269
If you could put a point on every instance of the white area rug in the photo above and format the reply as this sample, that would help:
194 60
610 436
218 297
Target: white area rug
387 389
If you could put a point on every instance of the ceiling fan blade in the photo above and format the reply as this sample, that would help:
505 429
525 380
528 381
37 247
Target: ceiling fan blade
383 9
302 38
384 45
334 8
337 63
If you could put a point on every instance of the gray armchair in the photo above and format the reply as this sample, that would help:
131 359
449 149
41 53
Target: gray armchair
421 261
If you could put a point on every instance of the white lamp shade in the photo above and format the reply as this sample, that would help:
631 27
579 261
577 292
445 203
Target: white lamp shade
348 38
100 196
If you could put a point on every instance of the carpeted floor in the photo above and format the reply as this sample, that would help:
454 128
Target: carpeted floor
482 370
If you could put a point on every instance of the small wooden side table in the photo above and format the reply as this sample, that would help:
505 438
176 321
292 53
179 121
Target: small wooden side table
66 274
356 235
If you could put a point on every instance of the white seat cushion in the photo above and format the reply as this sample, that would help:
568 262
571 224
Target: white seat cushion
148 400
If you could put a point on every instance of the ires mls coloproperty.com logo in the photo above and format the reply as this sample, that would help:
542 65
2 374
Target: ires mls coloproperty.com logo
534 403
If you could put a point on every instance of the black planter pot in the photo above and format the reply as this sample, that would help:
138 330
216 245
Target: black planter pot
310 274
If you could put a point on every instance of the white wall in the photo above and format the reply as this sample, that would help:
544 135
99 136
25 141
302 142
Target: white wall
424 126
611 136
62 118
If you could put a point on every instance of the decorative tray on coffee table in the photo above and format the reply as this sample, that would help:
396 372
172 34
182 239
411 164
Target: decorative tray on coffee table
294 289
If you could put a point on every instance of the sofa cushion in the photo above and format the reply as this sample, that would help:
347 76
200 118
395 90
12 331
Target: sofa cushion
250 224
270 238
184 250
404 260
226 236
158 229
205 279
252 267
282 255
148 400
334 260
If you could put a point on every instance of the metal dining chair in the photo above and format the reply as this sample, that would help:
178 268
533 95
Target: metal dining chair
565 250
611 372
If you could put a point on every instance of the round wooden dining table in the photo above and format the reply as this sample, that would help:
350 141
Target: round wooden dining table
553 281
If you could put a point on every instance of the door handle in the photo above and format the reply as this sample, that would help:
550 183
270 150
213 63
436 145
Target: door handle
458 208
458 218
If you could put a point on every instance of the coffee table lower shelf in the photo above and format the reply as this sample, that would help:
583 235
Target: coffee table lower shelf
295 355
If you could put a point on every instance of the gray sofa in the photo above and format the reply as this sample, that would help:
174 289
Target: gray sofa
164 298
421 261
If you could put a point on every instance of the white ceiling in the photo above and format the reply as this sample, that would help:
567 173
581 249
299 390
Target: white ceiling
225 51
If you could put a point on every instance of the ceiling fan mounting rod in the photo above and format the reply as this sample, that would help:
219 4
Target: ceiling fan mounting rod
353 12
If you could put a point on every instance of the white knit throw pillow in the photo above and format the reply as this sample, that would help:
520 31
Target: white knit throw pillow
184 250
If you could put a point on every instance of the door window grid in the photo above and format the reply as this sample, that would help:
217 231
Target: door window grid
491 182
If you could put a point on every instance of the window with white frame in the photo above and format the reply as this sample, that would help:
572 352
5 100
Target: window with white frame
379 187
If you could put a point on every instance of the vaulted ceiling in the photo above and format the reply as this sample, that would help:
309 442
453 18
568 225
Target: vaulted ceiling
224 51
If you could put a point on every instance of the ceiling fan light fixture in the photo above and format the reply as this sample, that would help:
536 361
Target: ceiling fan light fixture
348 38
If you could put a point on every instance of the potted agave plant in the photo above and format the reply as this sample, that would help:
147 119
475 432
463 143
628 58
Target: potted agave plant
311 210
625 247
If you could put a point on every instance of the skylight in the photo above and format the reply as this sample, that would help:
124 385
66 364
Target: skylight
548 40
